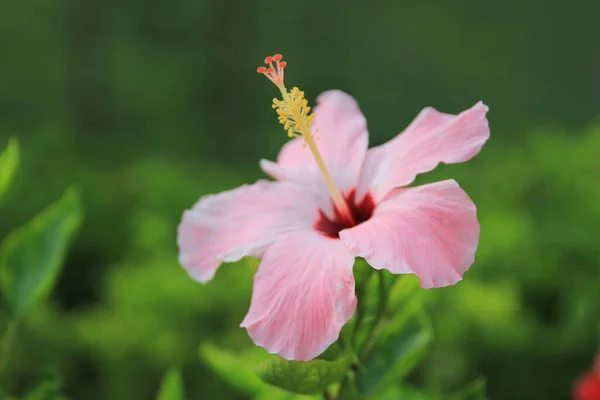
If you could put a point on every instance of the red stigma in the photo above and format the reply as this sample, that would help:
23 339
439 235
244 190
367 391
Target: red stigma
273 72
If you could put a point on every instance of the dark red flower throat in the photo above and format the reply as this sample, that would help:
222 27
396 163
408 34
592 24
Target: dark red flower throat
360 213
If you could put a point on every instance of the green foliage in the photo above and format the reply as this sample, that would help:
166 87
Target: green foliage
474 391
303 377
171 387
274 393
235 368
48 390
399 349
405 290
31 257
9 161
238 369
404 392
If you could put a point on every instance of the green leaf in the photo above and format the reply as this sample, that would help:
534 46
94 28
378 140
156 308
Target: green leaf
49 387
238 369
362 271
402 392
9 160
402 291
32 256
171 387
348 390
402 345
48 390
474 391
275 393
303 377
235 369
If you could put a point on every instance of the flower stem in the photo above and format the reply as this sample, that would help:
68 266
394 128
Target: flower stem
6 344
361 292
374 328
382 302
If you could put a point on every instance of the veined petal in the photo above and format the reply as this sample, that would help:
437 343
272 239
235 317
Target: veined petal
342 139
244 221
433 137
431 231
303 294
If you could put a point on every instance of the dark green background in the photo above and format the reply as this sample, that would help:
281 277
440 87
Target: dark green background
147 105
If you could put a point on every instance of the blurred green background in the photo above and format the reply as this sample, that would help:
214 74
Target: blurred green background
147 105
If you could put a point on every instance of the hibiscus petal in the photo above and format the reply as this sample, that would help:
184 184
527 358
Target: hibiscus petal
433 137
431 231
342 140
240 222
303 294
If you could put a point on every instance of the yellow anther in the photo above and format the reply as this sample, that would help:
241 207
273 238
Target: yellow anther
293 112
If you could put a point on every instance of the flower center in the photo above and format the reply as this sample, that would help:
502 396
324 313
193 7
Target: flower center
294 114
360 213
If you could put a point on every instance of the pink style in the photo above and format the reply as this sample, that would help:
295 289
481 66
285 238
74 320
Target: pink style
333 200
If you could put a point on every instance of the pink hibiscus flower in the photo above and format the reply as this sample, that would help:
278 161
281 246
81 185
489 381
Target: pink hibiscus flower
333 200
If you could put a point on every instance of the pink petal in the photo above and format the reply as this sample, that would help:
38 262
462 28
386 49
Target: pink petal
433 137
342 139
303 295
431 231
244 221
